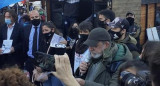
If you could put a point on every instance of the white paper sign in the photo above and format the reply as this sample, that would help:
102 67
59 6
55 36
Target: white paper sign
6 46
152 34
55 42
80 58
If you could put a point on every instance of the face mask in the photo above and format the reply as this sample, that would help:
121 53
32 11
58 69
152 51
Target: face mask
115 35
48 35
35 22
102 24
8 21
83 37
130 20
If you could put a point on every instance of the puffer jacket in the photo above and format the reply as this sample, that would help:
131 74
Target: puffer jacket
131 44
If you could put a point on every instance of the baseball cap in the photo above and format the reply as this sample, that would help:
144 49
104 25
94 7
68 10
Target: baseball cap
96 35
119 23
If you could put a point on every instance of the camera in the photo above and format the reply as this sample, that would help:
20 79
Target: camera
46 61
142 78
58 49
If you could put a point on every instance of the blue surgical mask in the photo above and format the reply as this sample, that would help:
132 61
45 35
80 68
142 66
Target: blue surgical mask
8 21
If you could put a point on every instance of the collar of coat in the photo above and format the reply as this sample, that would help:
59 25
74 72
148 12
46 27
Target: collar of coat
110 52
128 39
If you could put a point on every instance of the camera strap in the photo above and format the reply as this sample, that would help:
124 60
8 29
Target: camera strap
48 49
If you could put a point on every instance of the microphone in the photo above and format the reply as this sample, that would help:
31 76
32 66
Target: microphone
87 60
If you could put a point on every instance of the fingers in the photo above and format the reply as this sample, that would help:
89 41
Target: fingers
67 61
83 67
57 61
63 58
54 73
64 42
62 61
62 65
38 69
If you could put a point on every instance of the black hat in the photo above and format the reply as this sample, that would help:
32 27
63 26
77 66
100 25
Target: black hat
129 12
109 14
96 35
119 23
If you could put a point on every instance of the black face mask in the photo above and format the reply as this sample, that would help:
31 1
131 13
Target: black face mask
35 22
48 35
102 24
130 20
114 35
83 37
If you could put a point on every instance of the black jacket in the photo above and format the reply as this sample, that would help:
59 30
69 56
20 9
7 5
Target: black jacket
15 36
15 57
26 34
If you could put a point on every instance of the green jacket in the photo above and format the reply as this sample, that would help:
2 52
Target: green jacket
131 44
128 39
102 77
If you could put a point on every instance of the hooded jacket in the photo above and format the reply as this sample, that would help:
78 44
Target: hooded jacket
131 44
101 75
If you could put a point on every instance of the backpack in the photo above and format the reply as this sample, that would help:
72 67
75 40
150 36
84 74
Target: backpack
112 68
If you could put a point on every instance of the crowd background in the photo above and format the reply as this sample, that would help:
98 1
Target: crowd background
101 50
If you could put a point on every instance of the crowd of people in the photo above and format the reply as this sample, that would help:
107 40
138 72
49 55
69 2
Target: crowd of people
35 52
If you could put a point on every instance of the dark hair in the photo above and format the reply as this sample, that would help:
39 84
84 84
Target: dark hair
73 31
148 50
50 25
129 13
108 14
13 14
137 64
26 18
155 66
13 77
84 26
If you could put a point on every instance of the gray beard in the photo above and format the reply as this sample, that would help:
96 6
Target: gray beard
96 56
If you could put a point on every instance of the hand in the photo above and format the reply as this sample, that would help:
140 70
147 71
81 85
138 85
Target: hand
63 67
12 50
80 81
39 69
83 67
64 42
63 70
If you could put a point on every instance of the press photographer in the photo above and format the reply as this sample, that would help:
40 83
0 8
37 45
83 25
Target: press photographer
135 73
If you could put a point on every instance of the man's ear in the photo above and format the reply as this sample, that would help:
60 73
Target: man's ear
123 31
107 44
